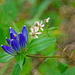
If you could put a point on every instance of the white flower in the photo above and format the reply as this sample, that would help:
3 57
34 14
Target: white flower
35 28
34 32
39 25
47 20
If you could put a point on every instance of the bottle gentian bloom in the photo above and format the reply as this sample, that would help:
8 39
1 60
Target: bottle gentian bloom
17 42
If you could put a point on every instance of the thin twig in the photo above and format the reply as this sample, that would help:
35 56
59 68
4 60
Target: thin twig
62 49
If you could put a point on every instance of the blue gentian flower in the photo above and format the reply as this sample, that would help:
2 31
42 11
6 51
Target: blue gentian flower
17 42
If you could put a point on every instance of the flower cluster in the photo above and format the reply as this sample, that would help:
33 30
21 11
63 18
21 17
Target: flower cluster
35 28
17 42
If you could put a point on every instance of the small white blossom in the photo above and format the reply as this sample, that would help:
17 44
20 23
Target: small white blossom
47 20
35 28
34 33
39 25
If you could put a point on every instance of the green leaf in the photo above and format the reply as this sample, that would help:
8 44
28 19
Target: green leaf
20 59
4 57
26 70
63 67
15 27
72 53
39 44
49 68
16 70
70 71
53 28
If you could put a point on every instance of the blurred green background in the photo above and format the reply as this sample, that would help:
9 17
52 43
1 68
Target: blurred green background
26 12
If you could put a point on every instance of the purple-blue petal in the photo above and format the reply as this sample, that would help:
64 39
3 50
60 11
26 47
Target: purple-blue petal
22 40
13 37
8 49
15 45
8 40
12 31
24 32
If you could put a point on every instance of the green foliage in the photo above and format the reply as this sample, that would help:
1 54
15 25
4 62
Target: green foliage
39 11
8 12
73 3
27 67
53 28
49 52
37 45
16 70
42 7
2 38
63 67
56 3
50 67
5 68
4 57
70 71
20 2
15 27
20 59
72 53
55 19
19 24
33 2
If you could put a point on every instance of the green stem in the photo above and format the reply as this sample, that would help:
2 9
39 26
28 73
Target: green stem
45 56
49 57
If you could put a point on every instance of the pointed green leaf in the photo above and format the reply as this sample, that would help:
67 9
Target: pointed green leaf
63 67
70 71
72 53
39 44
4 57
16 70
15 27
53 28
20 59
